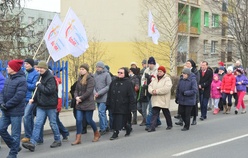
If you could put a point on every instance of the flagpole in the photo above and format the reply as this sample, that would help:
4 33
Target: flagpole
38 48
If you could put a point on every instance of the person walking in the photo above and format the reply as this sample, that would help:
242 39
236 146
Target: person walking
215 93
46 98
241 83
2 80
227 89
102 81
186 96
206 77
28 120
85 104
121 102
12 104
160 89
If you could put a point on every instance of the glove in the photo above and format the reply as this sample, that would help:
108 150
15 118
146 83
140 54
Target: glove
37 83
3 106
147 75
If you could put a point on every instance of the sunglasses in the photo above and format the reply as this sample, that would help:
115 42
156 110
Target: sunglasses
120 72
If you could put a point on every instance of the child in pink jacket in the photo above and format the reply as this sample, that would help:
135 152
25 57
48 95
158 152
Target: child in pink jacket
215 92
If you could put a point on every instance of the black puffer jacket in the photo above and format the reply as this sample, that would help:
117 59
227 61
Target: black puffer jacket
121 98
46 96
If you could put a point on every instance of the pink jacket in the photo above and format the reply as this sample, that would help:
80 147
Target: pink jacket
215 89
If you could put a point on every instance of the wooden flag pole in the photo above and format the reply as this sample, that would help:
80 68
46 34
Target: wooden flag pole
38 48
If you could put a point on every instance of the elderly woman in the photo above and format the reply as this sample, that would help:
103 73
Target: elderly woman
160 89
186 96
121 102
85 104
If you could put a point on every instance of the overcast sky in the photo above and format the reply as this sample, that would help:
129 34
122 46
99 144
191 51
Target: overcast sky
47 5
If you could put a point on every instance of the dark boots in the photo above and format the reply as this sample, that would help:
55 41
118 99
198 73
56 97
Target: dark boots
194 121
115 135
180 122
128 129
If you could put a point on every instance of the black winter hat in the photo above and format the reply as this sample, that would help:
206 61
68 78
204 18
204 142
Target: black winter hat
151 60
30 61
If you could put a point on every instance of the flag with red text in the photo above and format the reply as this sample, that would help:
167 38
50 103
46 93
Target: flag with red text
152 30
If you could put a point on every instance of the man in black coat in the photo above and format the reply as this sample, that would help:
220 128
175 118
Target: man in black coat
206 76
46 99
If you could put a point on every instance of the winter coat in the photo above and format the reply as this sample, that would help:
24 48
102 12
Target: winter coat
102 82
215 89
2 80
121 98
32 77
241 78
46 95
135 81
13 94
186 91
228 83
151 73
163 90
205 82
86 94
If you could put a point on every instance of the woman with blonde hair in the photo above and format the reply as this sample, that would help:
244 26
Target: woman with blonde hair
85 104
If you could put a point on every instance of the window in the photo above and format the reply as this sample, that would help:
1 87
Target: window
206 19
213 46
205 42
49 22
215 20
21 18
30 20
40 21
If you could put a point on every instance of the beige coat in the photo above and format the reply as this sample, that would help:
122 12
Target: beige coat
163 90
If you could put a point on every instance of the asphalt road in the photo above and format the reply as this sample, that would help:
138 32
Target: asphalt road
219 136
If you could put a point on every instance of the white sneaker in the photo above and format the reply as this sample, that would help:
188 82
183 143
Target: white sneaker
243 111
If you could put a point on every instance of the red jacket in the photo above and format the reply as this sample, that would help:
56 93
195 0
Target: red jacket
228 83
59 84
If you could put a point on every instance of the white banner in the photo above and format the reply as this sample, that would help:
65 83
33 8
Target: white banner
152 30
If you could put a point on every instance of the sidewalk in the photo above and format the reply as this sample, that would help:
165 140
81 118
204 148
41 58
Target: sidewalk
67 118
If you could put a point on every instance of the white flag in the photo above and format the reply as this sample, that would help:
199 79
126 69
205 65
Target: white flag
152 30
72 30
56 47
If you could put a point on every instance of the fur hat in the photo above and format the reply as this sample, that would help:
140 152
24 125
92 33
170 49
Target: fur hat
162 68
15 64
42 64
85 66
186 71
30 61
100 64
151 60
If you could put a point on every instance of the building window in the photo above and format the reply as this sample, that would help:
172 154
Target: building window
41 21
49 22
213 46
206 19
21 18
30 20
215 20
205 42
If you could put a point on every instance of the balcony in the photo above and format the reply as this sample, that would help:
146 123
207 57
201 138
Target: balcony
192 1
182 27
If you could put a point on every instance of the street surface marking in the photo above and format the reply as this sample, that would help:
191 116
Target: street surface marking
210 145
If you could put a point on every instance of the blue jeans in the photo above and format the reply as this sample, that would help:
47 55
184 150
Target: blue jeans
28 120
13 140
204 105
103 122
79 120
229 99
62 130
41 115
149 116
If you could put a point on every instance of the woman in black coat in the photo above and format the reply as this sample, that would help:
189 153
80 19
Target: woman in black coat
121 102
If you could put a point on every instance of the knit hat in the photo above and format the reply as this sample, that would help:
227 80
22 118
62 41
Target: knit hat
186 71
144 61
100 64
42 64
240 70
85 66
221 63
162 68
230 68
30 61
222 68
151 60
15 64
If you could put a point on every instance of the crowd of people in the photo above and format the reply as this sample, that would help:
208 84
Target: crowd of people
36 92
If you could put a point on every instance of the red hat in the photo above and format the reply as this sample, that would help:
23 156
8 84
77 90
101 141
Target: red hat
221 63
162 68
15 65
